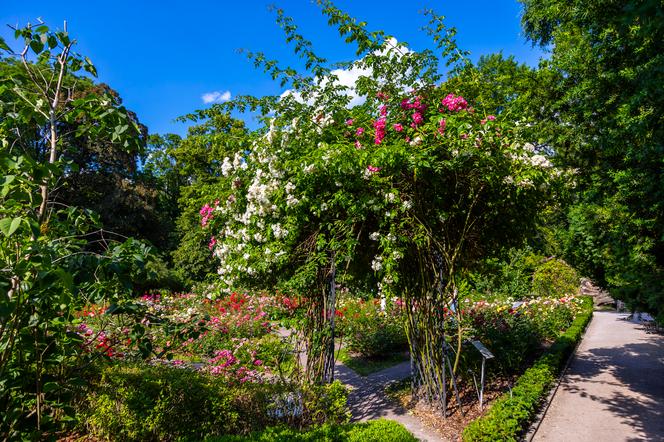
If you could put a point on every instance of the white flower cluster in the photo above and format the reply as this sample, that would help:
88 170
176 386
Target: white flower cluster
278 231
377 264
528 155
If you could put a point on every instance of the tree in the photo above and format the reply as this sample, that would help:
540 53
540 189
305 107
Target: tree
47 271
609 55
187 172
404 192
101 173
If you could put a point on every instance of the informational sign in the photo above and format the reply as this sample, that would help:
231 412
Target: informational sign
486 354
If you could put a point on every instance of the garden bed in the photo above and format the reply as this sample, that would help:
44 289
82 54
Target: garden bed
509 416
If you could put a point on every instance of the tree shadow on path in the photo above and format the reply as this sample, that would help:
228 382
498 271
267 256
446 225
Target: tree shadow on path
627 380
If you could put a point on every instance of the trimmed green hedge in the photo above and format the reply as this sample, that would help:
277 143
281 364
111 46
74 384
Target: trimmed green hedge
509 416
374 431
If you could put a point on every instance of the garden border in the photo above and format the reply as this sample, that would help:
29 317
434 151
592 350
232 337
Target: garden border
524 400
539 417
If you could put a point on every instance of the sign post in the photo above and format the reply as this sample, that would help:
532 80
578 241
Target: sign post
486 354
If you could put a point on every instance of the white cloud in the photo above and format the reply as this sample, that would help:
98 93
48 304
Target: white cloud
216 97
348 77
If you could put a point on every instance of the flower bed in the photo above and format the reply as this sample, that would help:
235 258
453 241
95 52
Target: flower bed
231 337
372 329
509 416
517 331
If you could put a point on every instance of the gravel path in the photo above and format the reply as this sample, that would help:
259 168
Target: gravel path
367 399
613 389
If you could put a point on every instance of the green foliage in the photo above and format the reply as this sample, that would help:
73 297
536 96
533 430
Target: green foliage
509 277
607 124
373 431
369 330
140 402
555 278
508 417
49 266
158 403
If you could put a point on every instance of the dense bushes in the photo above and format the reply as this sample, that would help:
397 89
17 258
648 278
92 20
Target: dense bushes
524 274
374 431
372 330
132 402
515 332
555 278
509 415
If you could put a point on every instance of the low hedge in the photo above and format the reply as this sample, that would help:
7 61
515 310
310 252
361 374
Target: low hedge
510 414
138 402
374 431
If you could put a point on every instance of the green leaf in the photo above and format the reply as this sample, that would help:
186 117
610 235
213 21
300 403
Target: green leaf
4 46
37 46
14 225
5 224
49 387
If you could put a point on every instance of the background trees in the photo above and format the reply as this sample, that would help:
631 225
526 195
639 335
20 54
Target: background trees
609 57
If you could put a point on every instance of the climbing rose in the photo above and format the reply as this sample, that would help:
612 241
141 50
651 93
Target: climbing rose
454 103
441 126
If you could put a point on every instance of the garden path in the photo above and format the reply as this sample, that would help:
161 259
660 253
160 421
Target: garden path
367 399
613 389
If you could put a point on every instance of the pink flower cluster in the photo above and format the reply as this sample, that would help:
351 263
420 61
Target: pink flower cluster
441 126
224 362
379 125
488 118
206 214
222 359
455 103
418 110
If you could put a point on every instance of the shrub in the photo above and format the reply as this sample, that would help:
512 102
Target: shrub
515 333
555 278
510 277
374 431
509 415
371 331
139 402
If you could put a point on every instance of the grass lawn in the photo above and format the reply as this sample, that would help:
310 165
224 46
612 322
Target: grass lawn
365 366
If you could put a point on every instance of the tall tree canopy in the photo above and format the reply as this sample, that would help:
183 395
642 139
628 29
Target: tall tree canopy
101 173
610 58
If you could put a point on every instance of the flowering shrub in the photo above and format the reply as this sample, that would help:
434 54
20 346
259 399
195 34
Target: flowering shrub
515 332
230 337
372 329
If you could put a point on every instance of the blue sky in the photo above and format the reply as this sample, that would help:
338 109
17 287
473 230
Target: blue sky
163 56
